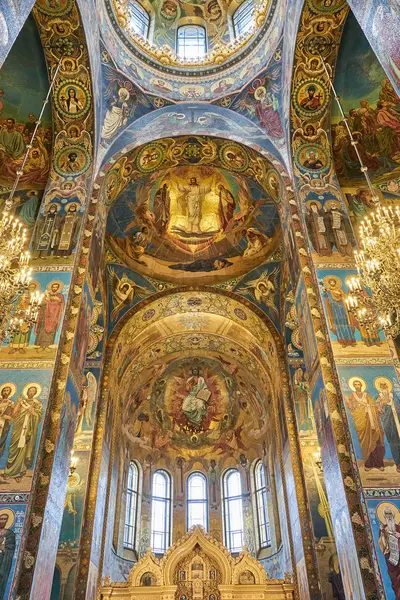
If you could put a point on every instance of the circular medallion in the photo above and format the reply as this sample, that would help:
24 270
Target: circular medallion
150 157
312 158
112 186
311 98
273 185
72 99
71 161
149 314
240 314
54 7
328 6
234 157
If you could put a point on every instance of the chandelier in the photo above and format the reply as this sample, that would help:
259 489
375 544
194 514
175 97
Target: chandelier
378 260
18 307
16 315
378 264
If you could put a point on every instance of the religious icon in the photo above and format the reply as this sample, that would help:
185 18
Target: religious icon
7 391
72 98
311 98
50 314
263 288
246 578
341 322
7 547
46 240
72 160
387 406
148 580
388 515
26 418
194 406
68 230
367 424
123 291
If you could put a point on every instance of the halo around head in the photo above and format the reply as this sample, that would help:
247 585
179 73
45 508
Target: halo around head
379 380
10 385
332 204
10 517
361 380
260 92
309 202
60 283
329 278
387 506
29 385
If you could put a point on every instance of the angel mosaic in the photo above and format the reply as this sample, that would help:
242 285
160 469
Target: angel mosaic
122 99
123 291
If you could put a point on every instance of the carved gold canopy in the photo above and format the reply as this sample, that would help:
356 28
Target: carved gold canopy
198 567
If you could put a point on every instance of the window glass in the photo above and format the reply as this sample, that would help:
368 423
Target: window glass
233 510
262 505
160 512
197 501
191 41
243 18
139 19
132 489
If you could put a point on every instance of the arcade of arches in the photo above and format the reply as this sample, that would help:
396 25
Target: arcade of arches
197 413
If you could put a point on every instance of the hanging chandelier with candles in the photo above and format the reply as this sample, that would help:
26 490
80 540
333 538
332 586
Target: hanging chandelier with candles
15 277
18 307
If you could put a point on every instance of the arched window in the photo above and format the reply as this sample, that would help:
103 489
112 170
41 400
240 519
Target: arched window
132 493
139 19
233 510
243 18
197 501
260 488
161 512
191 41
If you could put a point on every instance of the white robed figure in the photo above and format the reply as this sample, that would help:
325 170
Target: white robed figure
117 114
194 195
194 406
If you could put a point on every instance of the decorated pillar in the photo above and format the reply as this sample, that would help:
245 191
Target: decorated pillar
346 391
44 368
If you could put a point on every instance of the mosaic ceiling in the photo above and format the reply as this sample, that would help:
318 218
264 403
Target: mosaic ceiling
156 70
188 209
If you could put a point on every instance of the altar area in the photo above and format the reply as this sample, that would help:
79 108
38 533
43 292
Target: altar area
198 567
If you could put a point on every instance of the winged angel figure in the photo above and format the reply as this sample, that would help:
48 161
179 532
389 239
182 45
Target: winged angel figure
263 288
263 103
122 98
123 292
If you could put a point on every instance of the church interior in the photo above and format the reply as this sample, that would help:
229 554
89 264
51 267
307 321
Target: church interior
200 300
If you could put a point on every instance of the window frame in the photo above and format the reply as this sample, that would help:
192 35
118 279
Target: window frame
136 6
203 501
167 500
260 491
131 493
226 500
186 26
237 18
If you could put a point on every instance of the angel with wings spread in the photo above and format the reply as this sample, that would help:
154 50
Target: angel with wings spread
122 98
264 104
263 288
123 291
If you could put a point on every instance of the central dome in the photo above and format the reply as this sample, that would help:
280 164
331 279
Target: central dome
197 49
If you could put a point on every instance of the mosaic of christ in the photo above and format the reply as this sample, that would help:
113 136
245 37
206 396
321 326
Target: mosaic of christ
193 222
195 401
